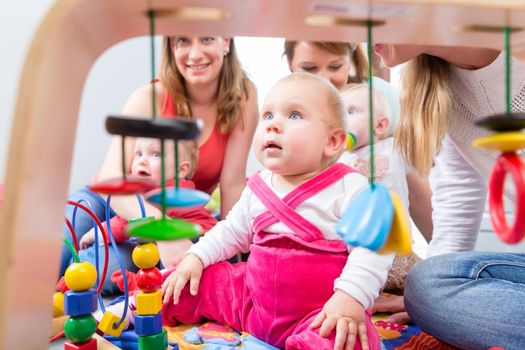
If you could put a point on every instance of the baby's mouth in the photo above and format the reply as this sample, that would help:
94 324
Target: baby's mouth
272 144
143 173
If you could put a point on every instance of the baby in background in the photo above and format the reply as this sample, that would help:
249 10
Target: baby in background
390 168
302 287
147 163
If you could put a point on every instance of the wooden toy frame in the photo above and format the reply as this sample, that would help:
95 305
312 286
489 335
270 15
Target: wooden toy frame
74 33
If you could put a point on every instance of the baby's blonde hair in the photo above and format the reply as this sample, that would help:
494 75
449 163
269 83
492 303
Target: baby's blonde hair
189 151
336 107
381 105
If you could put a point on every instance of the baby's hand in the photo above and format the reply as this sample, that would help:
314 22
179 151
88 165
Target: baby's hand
189 269
87 239
347 316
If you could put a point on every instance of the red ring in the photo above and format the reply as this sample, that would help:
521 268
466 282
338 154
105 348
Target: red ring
508 162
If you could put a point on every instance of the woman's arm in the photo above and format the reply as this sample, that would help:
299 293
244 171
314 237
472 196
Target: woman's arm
458 201
419 195
233 174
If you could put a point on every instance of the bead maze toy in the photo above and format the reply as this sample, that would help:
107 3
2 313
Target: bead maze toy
73 34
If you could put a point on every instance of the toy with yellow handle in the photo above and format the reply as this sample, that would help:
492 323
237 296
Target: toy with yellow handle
399 240
508 139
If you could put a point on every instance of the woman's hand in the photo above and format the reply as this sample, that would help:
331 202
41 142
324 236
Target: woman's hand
347 316
394 304
189 269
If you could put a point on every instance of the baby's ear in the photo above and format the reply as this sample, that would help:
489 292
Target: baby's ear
336 142
184 169
382 127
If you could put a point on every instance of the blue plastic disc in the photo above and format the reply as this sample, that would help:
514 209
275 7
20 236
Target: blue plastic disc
180 198
368 218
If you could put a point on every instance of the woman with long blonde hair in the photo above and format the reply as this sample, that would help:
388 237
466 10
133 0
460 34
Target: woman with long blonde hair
444 91
340 63
200 77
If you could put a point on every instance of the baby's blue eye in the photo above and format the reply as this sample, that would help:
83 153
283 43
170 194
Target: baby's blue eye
295 116
156 154
268 116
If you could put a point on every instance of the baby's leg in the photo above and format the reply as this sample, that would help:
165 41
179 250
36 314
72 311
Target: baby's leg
222 297
304 337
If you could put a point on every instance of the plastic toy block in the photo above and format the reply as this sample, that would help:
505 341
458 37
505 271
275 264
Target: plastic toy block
80 303
148 303
149 280
154 342
89 345
148 325
107 323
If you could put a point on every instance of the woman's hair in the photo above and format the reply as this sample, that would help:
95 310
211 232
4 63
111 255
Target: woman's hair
426 102
358 57
231 92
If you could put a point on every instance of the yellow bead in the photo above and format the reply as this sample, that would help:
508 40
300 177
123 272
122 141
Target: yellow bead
58 304
502 141
107 323
80 276
148 303
146 256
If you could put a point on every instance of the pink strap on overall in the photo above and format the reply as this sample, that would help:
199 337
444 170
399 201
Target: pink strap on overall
283 210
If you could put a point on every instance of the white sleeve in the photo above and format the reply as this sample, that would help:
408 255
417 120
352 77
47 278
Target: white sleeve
229 236
364 275
458 201
365 271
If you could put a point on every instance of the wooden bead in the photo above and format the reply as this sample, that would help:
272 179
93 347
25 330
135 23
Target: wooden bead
80 276
149 280
146 256
80 329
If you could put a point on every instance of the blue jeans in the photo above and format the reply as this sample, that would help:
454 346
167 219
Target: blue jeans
471 300
83 223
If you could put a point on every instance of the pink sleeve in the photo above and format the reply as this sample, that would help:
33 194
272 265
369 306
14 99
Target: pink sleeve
118 228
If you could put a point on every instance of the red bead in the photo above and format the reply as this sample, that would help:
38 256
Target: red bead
149 280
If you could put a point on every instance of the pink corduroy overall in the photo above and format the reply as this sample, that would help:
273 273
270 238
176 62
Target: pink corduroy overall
287 279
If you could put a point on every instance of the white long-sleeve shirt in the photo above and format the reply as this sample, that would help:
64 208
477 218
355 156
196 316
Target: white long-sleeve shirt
460 176
365 271
390 167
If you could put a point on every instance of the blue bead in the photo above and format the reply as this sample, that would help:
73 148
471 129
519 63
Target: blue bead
148 325
80 303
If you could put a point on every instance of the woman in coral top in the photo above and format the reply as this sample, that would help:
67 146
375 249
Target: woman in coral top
200 77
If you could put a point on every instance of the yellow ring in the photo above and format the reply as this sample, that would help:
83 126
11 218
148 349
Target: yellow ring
503 141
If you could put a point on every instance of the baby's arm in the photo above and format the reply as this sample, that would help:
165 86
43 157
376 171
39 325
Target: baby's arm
230 236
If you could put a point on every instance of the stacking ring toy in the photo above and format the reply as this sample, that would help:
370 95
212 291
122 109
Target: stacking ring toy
512 164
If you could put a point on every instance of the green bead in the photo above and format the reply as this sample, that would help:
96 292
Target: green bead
154 342
80 329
